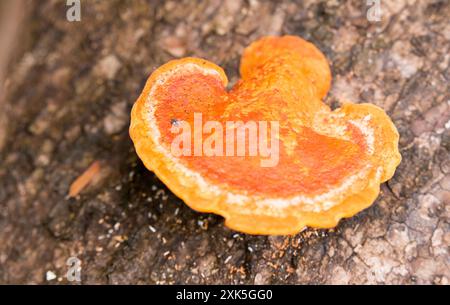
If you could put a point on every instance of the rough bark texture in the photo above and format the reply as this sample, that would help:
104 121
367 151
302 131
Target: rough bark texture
69 91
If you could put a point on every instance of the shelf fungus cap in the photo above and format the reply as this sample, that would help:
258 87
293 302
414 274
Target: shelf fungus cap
320 166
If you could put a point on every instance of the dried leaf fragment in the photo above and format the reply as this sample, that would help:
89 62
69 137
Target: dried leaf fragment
84 179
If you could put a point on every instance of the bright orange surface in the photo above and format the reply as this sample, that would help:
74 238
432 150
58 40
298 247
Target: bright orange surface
284 80
317 163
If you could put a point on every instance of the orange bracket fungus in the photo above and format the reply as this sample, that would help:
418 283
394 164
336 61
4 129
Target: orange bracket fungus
327 164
